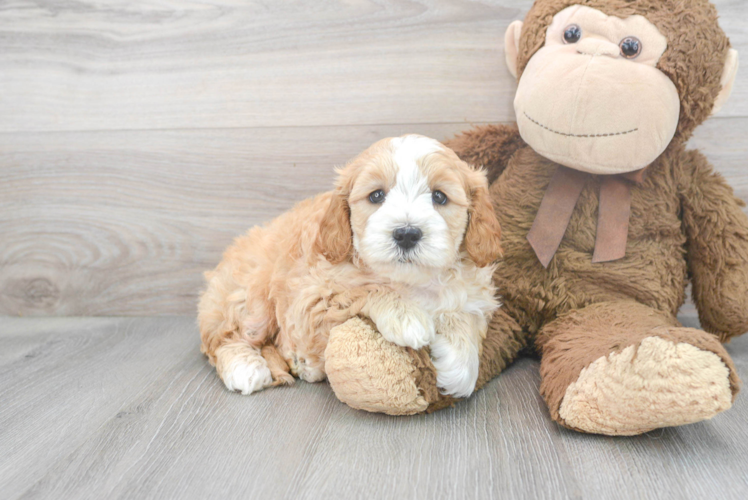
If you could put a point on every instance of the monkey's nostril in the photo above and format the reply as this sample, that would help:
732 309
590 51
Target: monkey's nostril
597 47
407 237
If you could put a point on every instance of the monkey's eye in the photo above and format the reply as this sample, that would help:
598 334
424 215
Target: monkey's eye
377 196
630 47
439 198
572 34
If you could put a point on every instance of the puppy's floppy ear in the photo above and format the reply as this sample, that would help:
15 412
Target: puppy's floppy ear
483 235
335 239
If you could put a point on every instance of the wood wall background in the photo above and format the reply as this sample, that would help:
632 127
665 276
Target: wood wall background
138 137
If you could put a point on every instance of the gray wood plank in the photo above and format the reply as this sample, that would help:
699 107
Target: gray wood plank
498 444
65 377
124 223
94 65
705 460
179 434
148 64
114 223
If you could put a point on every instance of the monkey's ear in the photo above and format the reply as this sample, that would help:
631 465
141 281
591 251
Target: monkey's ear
727 81
511 46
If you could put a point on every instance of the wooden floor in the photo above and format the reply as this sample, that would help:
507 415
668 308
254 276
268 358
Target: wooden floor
138 137
129 408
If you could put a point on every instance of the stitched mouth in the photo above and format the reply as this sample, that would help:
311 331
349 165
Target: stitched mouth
579 135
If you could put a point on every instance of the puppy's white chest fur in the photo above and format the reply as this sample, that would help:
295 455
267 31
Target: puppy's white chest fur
463 288
450 314
406 238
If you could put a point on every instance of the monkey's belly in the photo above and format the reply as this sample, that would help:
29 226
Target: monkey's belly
653 272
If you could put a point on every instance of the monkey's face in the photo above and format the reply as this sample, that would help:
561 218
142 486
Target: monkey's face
593 99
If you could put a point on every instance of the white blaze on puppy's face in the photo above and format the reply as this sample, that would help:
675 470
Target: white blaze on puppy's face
408 170
274 298
408 204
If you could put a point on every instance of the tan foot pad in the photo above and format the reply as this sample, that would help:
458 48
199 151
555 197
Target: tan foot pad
368 373
660 384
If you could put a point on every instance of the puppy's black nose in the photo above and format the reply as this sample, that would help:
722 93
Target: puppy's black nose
407 237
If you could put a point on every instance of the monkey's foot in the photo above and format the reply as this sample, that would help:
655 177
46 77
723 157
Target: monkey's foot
655 383
369 373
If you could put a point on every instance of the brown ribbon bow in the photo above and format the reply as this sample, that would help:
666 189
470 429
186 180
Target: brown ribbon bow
558 204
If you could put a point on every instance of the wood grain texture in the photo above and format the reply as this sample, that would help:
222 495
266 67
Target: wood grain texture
64 377
124 223
129 408
95 65
150 64
138 138
113 223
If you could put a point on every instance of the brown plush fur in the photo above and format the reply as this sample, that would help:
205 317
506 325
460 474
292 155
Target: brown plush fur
685 225
573 341
718 247
685 220
491 147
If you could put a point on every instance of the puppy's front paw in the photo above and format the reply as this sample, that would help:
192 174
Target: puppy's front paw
247 375
413 329
456 367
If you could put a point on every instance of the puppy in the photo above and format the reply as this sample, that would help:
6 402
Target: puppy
407 239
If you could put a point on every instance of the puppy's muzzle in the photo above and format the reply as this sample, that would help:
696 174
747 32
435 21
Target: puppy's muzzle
407 237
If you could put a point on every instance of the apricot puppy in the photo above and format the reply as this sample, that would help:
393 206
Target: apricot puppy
406 239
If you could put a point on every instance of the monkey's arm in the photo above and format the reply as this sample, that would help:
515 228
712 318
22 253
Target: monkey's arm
369 373
487 146
717 244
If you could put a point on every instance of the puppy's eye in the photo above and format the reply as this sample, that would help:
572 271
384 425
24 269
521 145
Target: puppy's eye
439 198
572 34
377 196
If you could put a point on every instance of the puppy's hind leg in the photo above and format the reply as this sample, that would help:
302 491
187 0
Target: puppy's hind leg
233 327
278 366
242 367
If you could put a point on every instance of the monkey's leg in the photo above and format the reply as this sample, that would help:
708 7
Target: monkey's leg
621 368
368 373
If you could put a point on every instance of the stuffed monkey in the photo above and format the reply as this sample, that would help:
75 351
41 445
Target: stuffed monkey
606 217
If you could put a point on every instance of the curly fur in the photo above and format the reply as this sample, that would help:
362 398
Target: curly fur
279 290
